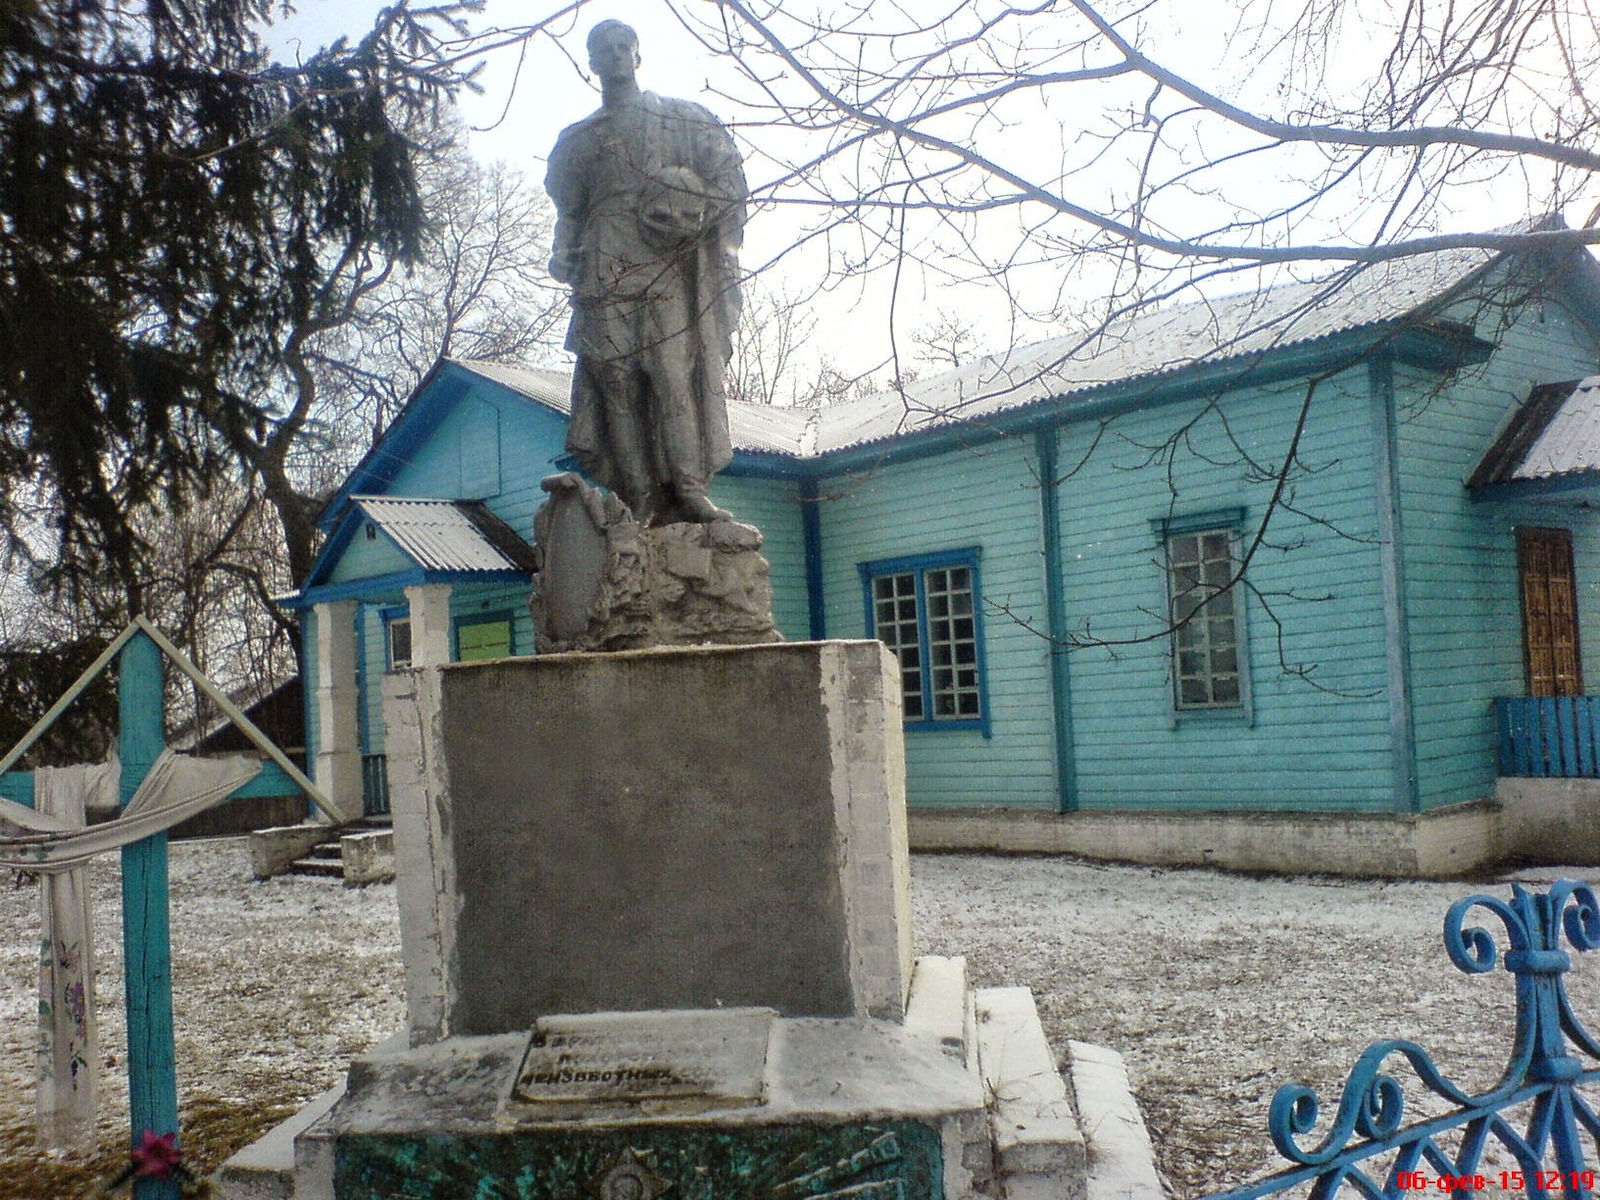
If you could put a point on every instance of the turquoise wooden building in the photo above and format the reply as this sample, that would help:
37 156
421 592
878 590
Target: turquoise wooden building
1400 468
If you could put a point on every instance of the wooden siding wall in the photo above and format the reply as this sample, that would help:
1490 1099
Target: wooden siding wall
372 654
1315 734
466 600
368 558
1463 608
989 498
531 438
1315 742
773 506
483 599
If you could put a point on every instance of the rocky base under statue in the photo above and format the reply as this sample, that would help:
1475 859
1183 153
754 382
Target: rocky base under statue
608 582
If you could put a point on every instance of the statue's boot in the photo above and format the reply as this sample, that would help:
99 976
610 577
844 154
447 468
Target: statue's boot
696 506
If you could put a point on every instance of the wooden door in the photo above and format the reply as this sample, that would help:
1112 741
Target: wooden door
1549 612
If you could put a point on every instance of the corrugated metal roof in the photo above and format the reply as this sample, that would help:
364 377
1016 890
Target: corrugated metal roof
1555 432
1153 342
448 535
759 428
1146 344
544 384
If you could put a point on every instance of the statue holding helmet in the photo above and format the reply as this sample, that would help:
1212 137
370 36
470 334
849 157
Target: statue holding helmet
650 207
650 204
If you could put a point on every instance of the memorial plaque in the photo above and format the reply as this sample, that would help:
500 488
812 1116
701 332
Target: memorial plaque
717 1055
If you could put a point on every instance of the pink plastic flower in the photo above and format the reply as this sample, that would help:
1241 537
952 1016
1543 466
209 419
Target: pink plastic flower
156 1156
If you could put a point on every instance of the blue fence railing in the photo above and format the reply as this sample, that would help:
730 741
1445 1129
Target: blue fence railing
1533 1132
1549 737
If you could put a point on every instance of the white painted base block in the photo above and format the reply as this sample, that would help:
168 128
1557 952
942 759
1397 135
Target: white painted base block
1121 1162
367 857
264 1170
1038 1147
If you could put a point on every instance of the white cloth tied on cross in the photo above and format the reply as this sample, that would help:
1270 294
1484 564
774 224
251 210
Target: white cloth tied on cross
58 846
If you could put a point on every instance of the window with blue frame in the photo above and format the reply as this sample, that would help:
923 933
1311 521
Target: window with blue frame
926 609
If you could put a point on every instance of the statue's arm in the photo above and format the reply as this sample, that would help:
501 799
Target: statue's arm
566 184
724 171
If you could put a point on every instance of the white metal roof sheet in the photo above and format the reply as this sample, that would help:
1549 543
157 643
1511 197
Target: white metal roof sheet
1570 443
544 384
435 534
1150 343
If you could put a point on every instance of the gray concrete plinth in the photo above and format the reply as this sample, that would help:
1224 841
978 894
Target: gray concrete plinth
686 828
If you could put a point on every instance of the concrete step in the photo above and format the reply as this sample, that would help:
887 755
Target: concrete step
1039 1150
359 855
1122 1163
367 856
320 867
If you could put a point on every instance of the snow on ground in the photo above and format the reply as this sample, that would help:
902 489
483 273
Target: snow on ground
276 985
1216 987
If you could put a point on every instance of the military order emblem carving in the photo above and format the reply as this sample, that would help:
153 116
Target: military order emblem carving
631 1177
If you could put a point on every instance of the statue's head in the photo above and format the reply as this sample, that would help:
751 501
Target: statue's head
613 50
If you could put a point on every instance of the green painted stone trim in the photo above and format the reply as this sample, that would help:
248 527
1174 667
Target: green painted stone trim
888 1160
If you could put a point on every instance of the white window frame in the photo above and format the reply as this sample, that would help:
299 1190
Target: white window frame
390 626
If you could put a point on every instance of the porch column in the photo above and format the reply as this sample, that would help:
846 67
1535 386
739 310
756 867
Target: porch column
430 624
338 764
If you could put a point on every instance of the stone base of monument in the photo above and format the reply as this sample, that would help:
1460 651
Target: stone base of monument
712 1104
607 582
655 917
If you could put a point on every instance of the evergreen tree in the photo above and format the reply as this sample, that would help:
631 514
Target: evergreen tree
171 205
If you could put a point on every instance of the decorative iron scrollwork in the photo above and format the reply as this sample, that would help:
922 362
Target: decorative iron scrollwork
1543 1070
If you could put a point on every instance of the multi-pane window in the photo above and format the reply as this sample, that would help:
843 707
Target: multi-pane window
1206 645
898 624
926 612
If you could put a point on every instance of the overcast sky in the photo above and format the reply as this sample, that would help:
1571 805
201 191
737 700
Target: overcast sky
531 94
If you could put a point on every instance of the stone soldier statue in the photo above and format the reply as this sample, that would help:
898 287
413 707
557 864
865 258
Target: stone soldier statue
650 206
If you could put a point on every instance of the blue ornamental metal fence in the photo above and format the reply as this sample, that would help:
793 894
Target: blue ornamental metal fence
1547 1132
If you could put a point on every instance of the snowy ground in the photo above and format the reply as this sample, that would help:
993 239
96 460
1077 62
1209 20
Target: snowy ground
1216 987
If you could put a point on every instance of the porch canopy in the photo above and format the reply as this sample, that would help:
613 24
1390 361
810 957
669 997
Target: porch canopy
1551 445
424 541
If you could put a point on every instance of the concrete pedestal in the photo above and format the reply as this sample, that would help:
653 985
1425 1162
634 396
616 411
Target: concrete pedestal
686 828
656 927
962 1101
